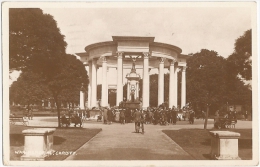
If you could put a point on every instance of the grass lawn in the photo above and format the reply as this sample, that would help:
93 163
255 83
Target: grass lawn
197 142
65 140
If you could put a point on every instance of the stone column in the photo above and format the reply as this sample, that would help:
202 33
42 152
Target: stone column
94 83
171 84
183 87
146 83
89 84
104 83
175 86
161 81
128 90
82 97
119 94
137 89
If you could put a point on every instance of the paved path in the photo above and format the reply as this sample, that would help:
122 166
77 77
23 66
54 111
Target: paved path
119 142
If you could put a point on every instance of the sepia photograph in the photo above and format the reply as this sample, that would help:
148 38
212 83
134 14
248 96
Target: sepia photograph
130 84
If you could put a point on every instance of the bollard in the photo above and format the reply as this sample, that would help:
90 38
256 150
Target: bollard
38 143
224 145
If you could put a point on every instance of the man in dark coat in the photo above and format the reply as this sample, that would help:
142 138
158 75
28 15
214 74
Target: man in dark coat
109 116
169 116
156 116
122 116
142 122
137 119
192 115
105 115
174 115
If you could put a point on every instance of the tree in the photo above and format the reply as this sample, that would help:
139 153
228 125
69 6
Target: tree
35 42
68 79
206 78
76 75
36 45
31 87
240 61
28 89
210 84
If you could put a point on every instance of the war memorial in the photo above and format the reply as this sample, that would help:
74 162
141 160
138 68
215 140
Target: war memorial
130 52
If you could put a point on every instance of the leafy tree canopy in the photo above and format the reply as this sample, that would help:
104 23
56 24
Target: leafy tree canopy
206 77
30 88
67 83
35 41
240 61
209 81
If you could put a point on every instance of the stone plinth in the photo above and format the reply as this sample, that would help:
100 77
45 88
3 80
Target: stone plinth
133 105
224 145
38 143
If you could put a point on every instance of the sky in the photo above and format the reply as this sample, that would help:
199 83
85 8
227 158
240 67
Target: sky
189 27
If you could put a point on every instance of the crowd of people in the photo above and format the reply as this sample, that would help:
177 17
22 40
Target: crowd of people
155 115
152 115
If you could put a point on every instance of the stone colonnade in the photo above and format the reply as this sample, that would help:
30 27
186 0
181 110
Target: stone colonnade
173 82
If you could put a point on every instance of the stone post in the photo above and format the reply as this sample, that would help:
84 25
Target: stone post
38 143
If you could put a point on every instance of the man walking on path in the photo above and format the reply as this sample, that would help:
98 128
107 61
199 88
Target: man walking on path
137 119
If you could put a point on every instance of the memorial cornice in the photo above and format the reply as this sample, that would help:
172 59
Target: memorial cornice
99 44
168 46
132 38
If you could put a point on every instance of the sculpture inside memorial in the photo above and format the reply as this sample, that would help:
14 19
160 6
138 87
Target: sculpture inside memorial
133 87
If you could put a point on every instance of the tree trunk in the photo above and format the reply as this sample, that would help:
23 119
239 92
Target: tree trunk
206 118
58 109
